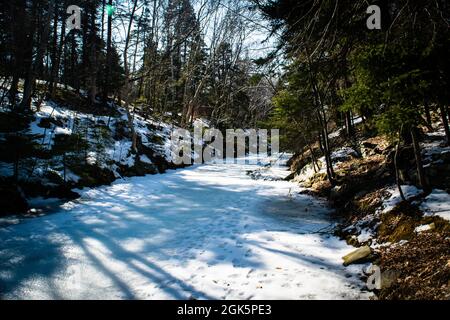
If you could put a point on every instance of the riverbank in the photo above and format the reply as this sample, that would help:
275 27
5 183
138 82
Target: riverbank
409 240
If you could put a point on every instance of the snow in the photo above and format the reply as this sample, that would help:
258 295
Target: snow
202 122
335 134
338 132
65 131
437 203
273 170
91 158
51 110
205 232
143 158
395 198
434 147
429 149
357 120
422 228
365 235
343 154
338 156
106 152
70 176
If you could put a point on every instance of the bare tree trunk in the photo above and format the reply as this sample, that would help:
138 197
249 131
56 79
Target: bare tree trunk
326 153
108 57
313 157
418 157
103 20
326 145
53 53
31 78
18 37
93 61
127 82
348 115
73 61
348 124
322 121
397 174
13 89
57 63
445 123
428 114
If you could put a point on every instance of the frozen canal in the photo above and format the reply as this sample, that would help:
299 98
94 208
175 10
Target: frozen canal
206 232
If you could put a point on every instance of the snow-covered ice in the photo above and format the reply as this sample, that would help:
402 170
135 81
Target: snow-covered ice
205 232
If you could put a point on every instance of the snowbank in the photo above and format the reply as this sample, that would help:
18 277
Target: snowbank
436 203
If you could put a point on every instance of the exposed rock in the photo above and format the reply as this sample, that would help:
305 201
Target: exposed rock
12 200
336 192
389 277
47 123
290 177
344 154
62 192
369 145
92 175
352 240
374 146
438 173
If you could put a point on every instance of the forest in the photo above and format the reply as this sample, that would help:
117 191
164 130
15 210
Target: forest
355 205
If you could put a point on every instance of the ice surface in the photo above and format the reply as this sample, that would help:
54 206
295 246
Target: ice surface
206 232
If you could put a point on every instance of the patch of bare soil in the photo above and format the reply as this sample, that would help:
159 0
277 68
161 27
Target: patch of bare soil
422 266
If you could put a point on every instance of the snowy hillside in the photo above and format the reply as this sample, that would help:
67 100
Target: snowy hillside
59 146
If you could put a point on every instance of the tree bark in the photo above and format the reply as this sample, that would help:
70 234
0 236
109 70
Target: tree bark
31 77
313 157
93 59
53 53
418 156
18 37
108 57
445 123
397 174
348 124
322 121
57 62
127 83
428 115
